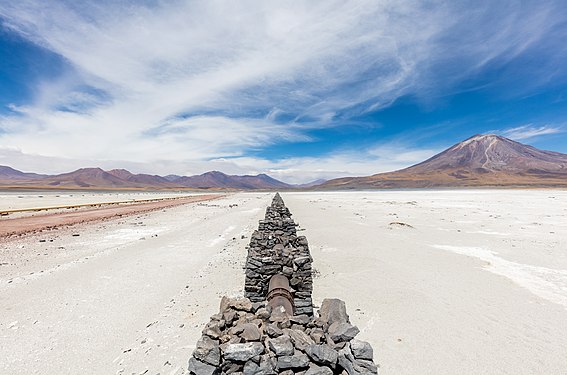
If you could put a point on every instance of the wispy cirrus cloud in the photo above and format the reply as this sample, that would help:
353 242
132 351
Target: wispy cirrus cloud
524 132
178 81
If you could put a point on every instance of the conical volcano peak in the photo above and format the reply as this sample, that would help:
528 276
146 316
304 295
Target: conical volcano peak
481 160
481 139
491 152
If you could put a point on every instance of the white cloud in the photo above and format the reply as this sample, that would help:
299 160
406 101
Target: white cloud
186 82
529 131
385 157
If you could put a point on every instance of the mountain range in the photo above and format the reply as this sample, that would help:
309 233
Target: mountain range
96 178
482 160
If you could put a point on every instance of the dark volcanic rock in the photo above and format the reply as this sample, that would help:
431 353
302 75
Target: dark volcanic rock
200 368
343 331
361 349
333 310
322 354
316 370
243 352
300 339
253 336
208 351
297 361
281 345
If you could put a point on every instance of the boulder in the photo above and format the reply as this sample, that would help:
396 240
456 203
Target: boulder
346 360
212 329
300 261
229 316
333 310
361 350
281 345
273 330
287 271
242 304
249 332
208 351
322 354
365 366
257 305
262 313
243 352
355 366
200 368
278 248
316 370
268 364
251 368
342 331
231 368
296 361
317 335
299 338
300 319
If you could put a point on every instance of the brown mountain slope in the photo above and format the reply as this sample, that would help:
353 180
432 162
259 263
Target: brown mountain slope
220 180
8 173
143 179
482 160
85 178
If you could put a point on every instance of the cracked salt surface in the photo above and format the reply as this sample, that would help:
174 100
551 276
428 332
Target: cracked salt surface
547 283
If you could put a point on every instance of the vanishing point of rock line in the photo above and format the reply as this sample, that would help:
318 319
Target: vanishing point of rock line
273 329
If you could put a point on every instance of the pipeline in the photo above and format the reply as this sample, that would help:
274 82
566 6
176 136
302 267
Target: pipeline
279 295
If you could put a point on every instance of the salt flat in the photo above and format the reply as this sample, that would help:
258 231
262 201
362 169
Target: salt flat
476 285
17 200
440 282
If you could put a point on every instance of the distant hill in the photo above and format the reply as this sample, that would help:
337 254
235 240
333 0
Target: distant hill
482 160
84 178
217 179
311 184
7 173
96 178
172 177
142 179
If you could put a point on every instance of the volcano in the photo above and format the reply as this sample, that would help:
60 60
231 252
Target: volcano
482 160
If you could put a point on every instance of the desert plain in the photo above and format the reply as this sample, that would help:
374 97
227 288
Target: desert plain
438 281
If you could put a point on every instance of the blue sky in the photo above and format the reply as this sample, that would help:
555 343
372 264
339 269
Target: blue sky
300 91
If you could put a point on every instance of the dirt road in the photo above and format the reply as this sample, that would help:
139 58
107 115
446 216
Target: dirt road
21 225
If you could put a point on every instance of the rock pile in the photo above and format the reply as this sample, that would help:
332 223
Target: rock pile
252 336
246 338
274 249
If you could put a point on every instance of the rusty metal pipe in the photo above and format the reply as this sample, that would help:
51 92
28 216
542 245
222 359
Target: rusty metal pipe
279 294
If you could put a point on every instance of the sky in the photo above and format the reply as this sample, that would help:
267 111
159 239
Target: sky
298 90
